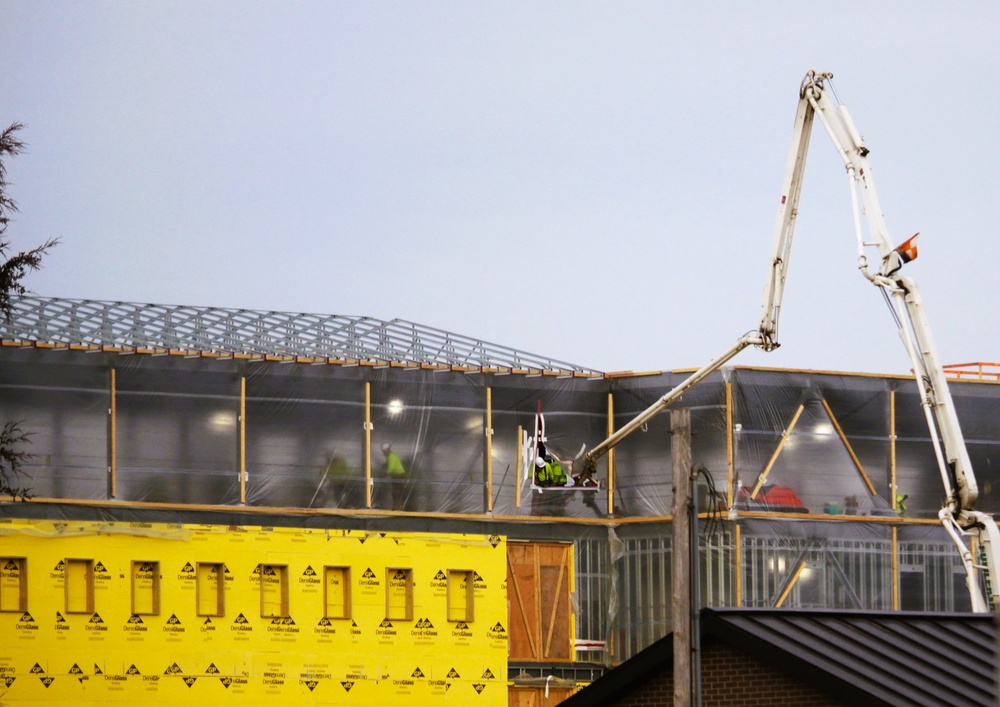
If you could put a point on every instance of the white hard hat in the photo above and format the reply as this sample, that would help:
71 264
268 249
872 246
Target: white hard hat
539 461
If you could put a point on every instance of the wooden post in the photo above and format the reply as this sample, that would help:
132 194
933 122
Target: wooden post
243 439
113 436
730 457
680 456
368 444
517 486
611 456
489 450
893 490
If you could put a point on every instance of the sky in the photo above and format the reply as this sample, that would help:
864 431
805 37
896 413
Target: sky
592 182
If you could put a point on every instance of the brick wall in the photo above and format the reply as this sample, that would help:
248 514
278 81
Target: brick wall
730 678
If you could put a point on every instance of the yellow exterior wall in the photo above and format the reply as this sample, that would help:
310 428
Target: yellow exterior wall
50 655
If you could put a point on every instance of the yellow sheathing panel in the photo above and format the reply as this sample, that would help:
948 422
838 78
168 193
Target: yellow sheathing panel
110 655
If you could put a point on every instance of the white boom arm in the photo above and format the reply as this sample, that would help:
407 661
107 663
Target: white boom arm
958 515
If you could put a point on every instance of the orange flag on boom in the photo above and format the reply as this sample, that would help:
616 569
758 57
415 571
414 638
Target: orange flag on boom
908 249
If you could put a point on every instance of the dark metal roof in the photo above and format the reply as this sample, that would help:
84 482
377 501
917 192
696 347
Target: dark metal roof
865 658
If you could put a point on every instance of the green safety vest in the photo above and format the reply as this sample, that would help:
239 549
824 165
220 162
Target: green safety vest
394 465
551 474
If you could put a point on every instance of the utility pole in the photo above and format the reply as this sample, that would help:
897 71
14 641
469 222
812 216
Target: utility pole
680 456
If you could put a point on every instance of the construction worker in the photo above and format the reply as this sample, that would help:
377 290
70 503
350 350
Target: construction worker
395 472
548 471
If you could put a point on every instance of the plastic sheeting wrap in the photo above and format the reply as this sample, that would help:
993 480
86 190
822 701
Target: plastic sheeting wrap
801 442
64 408
769 562
304 438
643 475
575 413
177 424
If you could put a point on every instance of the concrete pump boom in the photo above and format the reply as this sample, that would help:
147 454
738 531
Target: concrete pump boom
958 515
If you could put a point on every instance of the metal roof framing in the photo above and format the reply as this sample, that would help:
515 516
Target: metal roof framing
331 338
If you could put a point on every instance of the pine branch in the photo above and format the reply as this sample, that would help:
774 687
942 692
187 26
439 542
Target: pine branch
12 460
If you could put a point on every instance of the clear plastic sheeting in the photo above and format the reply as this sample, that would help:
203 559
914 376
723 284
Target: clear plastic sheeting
183 430
643 475
176 424
64 408
846 565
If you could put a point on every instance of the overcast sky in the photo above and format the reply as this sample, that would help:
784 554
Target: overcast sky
594 182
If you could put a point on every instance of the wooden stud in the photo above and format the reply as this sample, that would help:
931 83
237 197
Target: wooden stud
730 470
847 445
113 432
611 456
368 444
777 451
892 448
243 439
517 467
489 449
791 584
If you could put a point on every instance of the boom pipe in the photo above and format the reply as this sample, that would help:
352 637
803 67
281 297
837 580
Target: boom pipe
590 459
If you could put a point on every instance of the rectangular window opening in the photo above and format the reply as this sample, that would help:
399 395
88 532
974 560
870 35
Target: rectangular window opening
78 580
337 592
399 594
145 587
210 581
274 591
461 593
13 584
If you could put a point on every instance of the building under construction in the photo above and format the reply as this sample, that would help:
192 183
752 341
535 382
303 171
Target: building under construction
210 518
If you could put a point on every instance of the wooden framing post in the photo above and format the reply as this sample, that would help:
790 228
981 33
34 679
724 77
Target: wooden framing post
517 467
611 456
113 436
730 465
243 439
489 450
680 454
368 444
892 448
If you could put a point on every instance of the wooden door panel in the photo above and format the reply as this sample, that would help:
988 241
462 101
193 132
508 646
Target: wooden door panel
539 577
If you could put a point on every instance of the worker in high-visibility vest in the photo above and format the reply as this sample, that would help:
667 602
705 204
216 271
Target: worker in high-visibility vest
549 472
395 472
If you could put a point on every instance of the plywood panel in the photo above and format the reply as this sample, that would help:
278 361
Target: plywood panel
522 601
539 577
